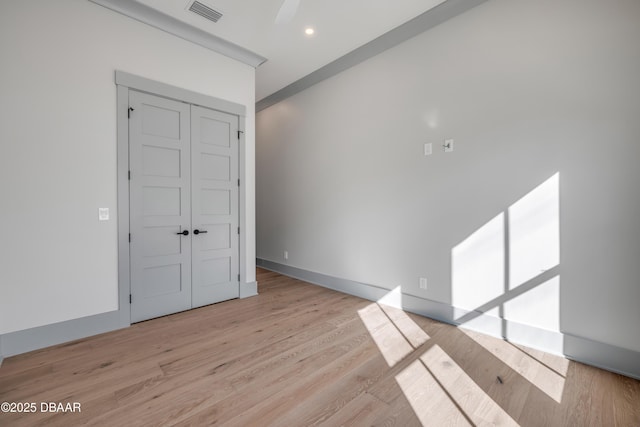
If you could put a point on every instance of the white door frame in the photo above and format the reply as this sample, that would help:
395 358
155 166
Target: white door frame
124 82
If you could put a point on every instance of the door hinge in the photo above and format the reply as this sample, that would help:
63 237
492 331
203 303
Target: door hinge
238 230
129 175
238 182
239 132
129 237
238 277
130 299
129 112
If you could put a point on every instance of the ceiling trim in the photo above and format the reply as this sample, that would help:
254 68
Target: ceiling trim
423 22
145 14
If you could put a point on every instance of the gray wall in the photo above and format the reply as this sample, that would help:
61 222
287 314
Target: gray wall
528 90
58 162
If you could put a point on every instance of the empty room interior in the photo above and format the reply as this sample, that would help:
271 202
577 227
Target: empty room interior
320 212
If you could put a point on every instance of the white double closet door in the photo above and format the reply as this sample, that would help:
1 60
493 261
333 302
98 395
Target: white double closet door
183 206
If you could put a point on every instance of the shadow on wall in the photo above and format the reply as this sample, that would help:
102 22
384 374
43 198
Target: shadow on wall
505 275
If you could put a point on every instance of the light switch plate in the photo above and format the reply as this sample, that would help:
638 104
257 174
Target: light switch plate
428 149
103 214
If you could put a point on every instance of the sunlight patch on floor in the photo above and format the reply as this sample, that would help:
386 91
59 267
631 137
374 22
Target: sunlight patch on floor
437 389
392 344
541 374
407 327
467 395
429 401
556 363
393 331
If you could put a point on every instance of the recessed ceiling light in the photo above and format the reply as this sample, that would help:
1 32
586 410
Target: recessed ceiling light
309 31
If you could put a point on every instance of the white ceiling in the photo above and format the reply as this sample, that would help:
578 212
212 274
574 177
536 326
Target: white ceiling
341 26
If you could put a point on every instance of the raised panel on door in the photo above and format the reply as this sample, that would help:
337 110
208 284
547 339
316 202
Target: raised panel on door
214 162
160 188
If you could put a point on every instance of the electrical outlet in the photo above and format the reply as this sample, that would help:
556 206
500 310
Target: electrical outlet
423 283
286 254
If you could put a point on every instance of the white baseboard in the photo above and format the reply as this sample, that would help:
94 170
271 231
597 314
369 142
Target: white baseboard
249 289
31 339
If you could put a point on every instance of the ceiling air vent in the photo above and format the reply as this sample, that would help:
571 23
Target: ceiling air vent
205 11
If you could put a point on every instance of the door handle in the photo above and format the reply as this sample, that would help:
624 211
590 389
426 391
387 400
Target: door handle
196 231
185 233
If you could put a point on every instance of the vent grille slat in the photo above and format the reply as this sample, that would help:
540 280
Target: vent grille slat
205 11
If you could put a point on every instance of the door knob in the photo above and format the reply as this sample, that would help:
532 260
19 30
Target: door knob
185 233
196 231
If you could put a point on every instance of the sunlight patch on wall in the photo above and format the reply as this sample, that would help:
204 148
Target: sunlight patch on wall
392 298
501 274
534 232
539 307
489 322
478 266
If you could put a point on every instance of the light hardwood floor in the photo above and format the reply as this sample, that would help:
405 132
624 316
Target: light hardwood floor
299 354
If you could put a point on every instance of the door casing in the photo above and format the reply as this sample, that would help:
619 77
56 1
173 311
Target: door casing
124 82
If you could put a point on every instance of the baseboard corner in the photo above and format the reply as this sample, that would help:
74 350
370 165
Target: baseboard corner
248 289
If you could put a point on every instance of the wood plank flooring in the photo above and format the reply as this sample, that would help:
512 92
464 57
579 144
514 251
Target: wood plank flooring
299 355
